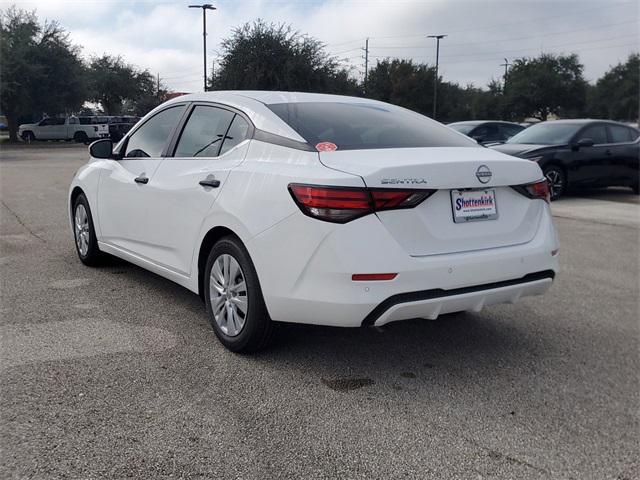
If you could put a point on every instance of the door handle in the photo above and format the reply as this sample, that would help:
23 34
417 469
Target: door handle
141 179
210 182
607 151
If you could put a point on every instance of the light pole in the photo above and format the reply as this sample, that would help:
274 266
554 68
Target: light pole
435 78
204 8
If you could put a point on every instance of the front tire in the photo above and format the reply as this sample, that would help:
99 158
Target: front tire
557 181
28 137
84 232
235 304
80 137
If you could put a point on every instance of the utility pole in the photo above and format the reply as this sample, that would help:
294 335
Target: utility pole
435 77
366 64
204 8
506 69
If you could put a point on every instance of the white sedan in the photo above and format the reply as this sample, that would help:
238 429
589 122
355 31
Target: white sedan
318 209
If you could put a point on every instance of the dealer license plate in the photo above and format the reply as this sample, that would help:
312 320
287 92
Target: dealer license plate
473 205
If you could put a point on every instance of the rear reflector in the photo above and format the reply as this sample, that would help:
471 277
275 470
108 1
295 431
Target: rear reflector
539 189
367 277
343 204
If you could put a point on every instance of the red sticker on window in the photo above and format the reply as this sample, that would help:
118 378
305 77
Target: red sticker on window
326 147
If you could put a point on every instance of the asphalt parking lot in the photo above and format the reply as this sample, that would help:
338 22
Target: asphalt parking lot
115 373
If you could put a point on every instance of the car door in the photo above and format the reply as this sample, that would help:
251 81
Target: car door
591 166
123 196
212 142
624 154
46 129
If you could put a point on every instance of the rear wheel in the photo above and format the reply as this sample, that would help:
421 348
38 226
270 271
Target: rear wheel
234 299
636 189
84 233
557 181
81 137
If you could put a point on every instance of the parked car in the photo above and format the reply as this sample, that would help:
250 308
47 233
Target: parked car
120 125
488 131
58 128
580 153
318 209
4 124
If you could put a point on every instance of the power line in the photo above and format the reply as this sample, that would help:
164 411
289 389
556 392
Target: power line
502 52
388 47
484 60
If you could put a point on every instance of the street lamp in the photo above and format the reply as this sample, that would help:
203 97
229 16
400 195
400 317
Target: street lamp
435 78
204 8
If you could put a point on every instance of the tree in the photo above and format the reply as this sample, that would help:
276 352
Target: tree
549 84
120 87
617 94
41 70
403 83
261 56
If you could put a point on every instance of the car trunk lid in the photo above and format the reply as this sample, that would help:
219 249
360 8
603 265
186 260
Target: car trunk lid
429 228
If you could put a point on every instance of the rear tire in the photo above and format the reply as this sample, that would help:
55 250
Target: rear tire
80 137
557 181
636 189
84 233
235 304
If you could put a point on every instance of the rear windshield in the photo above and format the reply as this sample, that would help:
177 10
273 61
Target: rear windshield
358 126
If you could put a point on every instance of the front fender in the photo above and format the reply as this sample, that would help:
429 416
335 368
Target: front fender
86 179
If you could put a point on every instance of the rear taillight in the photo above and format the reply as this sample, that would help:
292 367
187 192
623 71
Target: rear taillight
343 204
539 189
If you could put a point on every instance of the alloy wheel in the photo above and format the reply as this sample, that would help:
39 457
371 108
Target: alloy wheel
556 182
228 295
81 224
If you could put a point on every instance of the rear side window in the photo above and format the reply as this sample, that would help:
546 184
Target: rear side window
621 134
238 132
357 126
151 138
204 132
597 133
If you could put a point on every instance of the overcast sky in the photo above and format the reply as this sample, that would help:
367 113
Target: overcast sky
165 37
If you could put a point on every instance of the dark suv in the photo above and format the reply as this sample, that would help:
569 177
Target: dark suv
580 153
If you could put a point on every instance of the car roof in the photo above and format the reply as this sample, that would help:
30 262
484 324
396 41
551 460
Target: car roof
480 122
255 105
583 121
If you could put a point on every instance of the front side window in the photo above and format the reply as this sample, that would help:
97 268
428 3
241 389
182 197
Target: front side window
151 138
358 126
204 132
238 132
597 133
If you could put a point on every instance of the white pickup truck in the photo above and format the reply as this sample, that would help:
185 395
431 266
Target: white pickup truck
70 128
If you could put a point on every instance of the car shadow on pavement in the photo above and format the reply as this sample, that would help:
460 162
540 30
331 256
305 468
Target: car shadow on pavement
463 342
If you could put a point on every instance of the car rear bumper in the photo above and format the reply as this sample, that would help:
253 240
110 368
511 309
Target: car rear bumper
430 304
305 269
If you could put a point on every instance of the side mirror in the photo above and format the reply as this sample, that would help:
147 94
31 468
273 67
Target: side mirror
478 138
102 148
583 142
